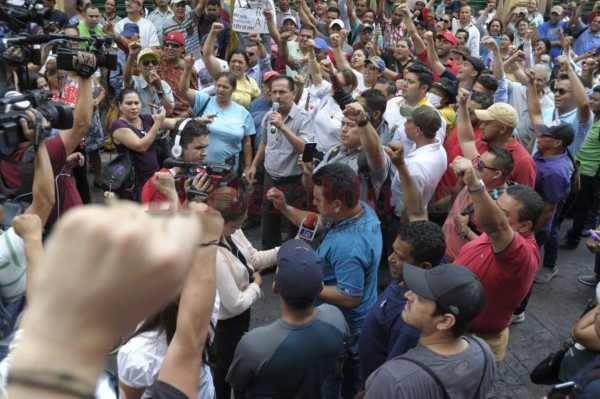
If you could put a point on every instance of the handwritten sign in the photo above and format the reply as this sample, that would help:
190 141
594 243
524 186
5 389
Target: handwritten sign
248 16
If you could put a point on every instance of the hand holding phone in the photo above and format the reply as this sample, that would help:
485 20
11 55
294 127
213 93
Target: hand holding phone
309 152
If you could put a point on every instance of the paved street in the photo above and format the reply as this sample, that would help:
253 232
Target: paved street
551 312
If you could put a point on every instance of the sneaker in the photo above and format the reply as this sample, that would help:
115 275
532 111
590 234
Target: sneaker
590 279
545 274
566 243
517 318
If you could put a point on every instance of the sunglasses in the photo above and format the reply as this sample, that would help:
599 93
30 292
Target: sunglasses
589 63
561 92
447 21
148 62
173 45
480 165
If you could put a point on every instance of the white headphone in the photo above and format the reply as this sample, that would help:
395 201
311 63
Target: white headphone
177 150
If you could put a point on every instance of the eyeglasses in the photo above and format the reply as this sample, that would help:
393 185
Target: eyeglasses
447 21
560 91
173 45
372 67
148 62
480 165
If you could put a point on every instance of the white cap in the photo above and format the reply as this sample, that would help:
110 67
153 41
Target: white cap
337 22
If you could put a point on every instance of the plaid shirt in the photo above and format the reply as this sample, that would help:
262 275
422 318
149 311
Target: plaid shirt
391 33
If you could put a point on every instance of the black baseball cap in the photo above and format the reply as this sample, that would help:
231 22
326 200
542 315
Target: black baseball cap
476 62
558 130
449 86
454 287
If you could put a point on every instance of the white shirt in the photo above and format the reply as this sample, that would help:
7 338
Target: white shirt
206 84
392 111
148 36
139 361
474 36
399 134
426 166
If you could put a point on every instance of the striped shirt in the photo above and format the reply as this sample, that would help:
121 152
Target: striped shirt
12 266
189 30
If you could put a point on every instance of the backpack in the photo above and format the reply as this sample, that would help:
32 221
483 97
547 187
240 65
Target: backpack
16 200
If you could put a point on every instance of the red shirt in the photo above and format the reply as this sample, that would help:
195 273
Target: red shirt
151 194
66 194
453 150
506 278
452 66
524 170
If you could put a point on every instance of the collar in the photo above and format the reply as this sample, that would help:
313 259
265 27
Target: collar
435 146
143 82
551 158
329 225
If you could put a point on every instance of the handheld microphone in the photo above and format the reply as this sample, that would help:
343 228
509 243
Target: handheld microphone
275 109
172 163
37 39
308 229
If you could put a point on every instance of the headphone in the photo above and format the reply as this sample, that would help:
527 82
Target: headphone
177 150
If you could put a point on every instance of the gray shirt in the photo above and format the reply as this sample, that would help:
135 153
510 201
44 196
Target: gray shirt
280 155
460 374
344 155
148 94
517 97
283 360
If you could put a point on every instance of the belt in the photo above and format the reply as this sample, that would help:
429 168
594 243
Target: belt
283 179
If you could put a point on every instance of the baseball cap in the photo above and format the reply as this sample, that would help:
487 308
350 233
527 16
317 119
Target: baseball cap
448 36
377 61
130 29
321 44
454 287
424 116
268 75
558 130
299 272
476 62
366 26
147 52
140 2
290 18
462 50
448 86
338 22
176 37
501 112
176 1
557 9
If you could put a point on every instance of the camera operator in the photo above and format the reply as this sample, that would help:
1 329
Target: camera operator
194 144
59 147
13 247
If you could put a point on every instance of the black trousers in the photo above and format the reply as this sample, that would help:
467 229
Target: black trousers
228 334
295 195
583 206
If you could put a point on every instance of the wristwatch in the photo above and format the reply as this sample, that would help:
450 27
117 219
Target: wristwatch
364 122
477 190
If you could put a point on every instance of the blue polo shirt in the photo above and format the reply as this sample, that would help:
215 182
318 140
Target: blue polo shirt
553 178
349 255
586 41
385 335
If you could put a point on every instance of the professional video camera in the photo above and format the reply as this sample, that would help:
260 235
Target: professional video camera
60 116
220 173
99 46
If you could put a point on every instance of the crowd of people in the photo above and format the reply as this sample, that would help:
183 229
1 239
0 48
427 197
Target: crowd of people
436 144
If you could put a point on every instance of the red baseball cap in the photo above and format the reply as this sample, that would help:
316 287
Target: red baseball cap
449 36
268 75
176 37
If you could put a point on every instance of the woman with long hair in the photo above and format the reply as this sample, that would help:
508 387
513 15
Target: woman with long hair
238 280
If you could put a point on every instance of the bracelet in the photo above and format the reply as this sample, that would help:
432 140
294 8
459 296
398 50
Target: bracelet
55 381
312 59
208 244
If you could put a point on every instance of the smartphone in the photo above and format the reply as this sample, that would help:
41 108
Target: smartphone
309 152
564 388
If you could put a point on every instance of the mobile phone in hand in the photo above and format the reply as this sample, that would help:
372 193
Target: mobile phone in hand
309 152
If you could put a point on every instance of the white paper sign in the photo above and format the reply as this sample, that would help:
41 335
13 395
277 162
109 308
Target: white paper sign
248 16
